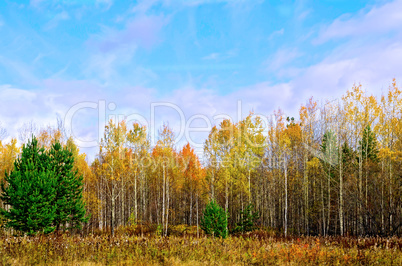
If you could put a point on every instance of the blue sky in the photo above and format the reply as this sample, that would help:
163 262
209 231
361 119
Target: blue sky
202 56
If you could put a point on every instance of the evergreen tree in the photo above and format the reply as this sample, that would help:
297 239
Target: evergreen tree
70 208
43 191
369 159
248 218
347 154
329 149
349 159
30 192
215 220
368 145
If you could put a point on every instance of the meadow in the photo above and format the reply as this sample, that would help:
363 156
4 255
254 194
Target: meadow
183 247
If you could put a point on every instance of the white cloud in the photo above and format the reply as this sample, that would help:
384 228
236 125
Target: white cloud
144 6
377 20
303 15
372 61
14 94
20 106
56 4
141 31
56 97
283 57
36 3
276 33
54 22
373 65
221 56
21 69
212 56
104 3
112 49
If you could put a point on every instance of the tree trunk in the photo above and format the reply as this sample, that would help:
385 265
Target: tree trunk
122 202
390 199
167 206
340 193
286 195
360 194
306 207
329 200
323 209
163 197
198 234
135 197
382 197
191 207
113 211
212 185
249 187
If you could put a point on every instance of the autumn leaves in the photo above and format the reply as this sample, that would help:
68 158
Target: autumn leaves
334 169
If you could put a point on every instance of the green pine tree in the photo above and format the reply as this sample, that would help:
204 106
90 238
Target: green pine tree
70 208
368 145
248 219
329 149
30 191
43 191
215 220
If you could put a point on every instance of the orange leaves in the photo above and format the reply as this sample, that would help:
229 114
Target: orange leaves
190 166
308 112
294 133
163 153
191 174
286 132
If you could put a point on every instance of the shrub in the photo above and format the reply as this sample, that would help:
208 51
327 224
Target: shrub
248 218
215 220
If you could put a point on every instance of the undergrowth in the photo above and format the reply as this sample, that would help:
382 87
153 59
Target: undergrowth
182 246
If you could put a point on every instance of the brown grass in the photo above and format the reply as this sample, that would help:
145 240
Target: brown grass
182 247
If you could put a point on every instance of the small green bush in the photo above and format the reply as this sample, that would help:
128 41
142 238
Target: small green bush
215 220
248 219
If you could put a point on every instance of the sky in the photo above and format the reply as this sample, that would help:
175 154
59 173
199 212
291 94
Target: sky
186 63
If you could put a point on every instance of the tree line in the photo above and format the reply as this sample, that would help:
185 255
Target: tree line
333 170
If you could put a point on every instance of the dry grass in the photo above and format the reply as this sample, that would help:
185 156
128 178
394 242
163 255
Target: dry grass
183 248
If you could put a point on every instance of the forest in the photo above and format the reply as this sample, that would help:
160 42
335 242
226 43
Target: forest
336 174
333 171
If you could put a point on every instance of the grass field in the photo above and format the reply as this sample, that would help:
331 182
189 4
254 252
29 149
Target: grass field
259 248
